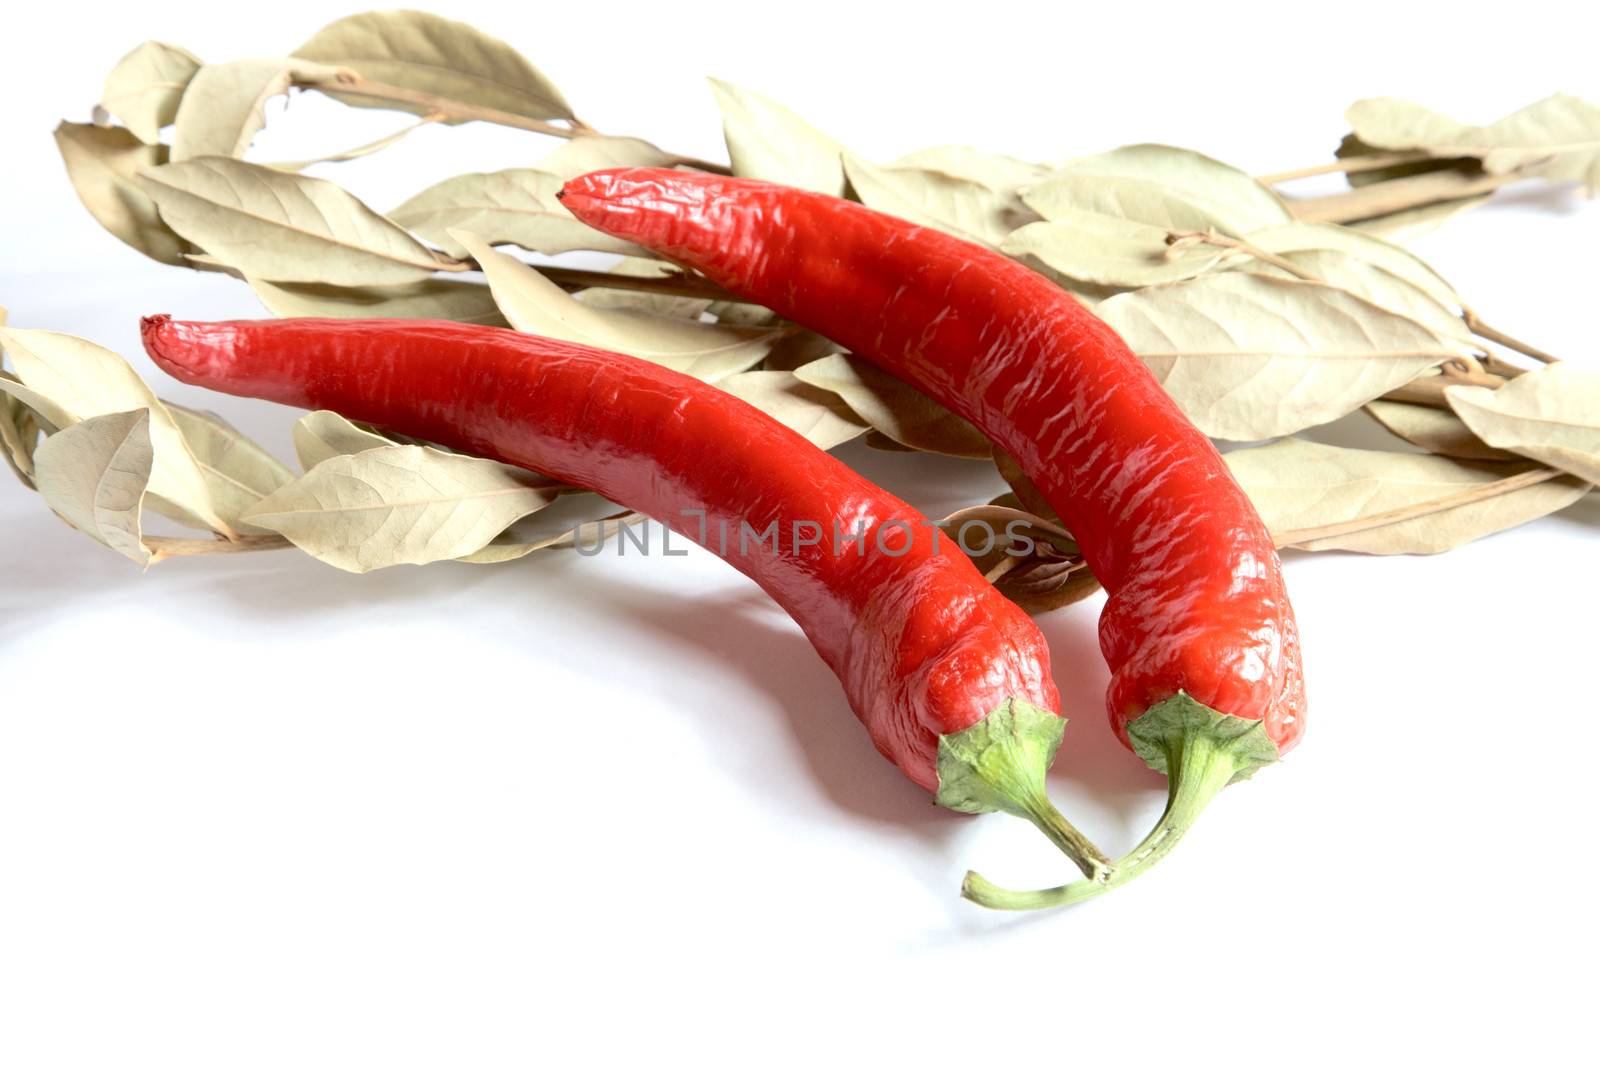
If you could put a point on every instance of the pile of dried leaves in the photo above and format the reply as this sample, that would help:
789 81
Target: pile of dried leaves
1264 315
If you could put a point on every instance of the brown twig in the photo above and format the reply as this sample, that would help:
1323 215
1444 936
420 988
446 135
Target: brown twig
167 547
1177 239
1348 165
1489 333
1398 194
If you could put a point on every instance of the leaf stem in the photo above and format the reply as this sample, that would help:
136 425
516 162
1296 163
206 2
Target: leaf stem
1349 165
1489 333
1477 494
1398 194
167 547
1178 238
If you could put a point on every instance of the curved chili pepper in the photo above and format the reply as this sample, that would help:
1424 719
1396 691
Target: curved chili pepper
1198 630
950 678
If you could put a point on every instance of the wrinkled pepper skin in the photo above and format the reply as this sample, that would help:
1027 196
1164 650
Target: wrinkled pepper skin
923 645
1197 599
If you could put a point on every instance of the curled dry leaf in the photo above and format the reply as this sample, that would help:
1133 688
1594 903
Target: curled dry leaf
1551 415
797 348
504 207
102 163
144 88
685 307
584 154
1323 236
1026 493
94 473
398 504
534 304
1434 429
818 415
224 106
1557 137
367 149
238 472
19 437
1356 276
895 409
768 141
1300 486
1104 250
958 206
435 56
1250 357
574 520
1030 559
1164 186
321 435
284 227
1003 174
1412 223
431 298
83 380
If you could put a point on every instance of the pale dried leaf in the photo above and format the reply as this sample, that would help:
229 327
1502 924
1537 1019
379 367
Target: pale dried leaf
1099 249
684 307
957 206
19 437
1156 184
534 304
1250 357
84 380
224 106
284 227
359 151
1003 174
399 504
580 155
1376 285
1434 429
569 520
504 207
102 163
768 141
1412 223
820 416
895 409
238 472
1300 485
1309 236
431 298
144 88
93 474
321 435
429 54
1551 415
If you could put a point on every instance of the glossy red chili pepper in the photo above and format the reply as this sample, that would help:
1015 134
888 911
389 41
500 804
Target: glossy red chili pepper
951 679
1198 631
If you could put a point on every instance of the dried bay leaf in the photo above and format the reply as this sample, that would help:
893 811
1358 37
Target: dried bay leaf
224 106
1250 357
94 473
1343 270
820 416
1320 236
504 207
238 472
895 409
957 206
321 435
581 155
1412 223
1551 414
19 437
768 141
429 54
1435 430
1153 183
399 504
84 380
294 166
534 304
1103 250
686 307
284 227
431 298
1003 174
1300 485
102 163
144 88
794 350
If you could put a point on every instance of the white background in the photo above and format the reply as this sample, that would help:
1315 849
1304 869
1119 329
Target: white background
256 810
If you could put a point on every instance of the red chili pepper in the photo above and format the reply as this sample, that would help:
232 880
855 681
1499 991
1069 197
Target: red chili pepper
950 678
1198 631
